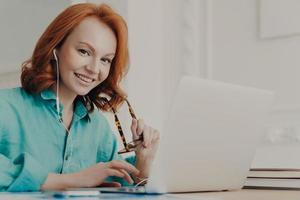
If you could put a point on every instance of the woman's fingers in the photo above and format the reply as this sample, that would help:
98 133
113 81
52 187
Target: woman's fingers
120 173
150 135
147 136
110 184
121 169
127 177
118 164
140 127
156 135
114 172
134 125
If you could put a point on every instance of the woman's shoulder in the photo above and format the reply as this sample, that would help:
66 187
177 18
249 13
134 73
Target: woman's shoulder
13 99
13 94
9 101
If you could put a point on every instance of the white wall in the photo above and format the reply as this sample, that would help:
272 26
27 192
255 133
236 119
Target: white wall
211 39
21 25
222 40
219 40
240 55
146 44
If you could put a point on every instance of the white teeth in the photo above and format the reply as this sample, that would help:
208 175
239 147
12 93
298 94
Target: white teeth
84 78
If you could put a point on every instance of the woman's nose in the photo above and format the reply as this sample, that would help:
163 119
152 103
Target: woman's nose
93 67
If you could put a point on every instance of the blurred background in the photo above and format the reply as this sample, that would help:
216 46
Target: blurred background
247 42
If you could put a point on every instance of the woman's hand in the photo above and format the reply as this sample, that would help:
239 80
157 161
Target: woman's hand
145 152
92 177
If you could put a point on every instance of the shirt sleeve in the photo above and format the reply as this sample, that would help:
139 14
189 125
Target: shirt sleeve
19 172
22 174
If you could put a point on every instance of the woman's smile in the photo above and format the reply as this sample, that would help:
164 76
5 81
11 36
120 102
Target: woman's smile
84 79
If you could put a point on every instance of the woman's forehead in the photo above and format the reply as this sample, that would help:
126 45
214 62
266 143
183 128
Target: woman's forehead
94 32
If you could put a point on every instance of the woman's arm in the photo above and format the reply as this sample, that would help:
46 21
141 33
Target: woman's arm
146 151
90 177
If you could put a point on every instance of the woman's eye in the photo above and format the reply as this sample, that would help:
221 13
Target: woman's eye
83 52
106 60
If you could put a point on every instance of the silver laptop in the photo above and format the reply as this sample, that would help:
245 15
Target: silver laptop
209 140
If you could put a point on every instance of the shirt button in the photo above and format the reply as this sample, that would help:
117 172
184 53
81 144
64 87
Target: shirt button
67 157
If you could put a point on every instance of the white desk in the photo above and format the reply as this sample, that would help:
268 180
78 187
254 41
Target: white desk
228 195
249 194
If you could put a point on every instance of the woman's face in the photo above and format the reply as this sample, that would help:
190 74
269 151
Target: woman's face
85 57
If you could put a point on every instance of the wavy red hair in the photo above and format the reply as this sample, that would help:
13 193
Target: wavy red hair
38 73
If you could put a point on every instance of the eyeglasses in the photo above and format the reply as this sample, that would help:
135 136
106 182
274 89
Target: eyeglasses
130 146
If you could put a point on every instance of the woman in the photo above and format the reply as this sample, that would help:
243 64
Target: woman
51 134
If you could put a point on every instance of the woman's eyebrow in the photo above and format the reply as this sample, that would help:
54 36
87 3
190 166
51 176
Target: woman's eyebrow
93 49
90 46
110 54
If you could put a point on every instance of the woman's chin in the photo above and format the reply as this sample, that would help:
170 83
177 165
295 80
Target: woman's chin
82 92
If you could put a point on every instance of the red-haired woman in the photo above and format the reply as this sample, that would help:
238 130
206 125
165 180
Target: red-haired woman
51 135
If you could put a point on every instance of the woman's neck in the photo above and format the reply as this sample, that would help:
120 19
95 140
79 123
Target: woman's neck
66 98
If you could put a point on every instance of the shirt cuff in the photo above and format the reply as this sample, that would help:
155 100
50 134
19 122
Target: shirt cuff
131 160
31 177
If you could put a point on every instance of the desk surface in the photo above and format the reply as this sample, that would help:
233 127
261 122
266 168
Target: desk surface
228 195
249 194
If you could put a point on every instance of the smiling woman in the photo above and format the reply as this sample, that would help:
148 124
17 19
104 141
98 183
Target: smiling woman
89 64
51 135
110 31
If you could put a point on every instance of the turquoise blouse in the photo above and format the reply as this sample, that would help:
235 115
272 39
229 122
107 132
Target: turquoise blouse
33 143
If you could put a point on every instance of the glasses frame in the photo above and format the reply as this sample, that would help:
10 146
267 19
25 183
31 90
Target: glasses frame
128 146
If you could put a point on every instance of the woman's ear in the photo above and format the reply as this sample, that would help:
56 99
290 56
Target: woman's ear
54 54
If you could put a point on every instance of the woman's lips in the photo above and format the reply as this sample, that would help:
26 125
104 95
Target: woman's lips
84 78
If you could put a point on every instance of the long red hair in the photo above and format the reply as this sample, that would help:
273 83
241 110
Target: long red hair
38 73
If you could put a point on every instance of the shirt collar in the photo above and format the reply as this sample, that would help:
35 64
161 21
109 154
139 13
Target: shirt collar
48 94
80 110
